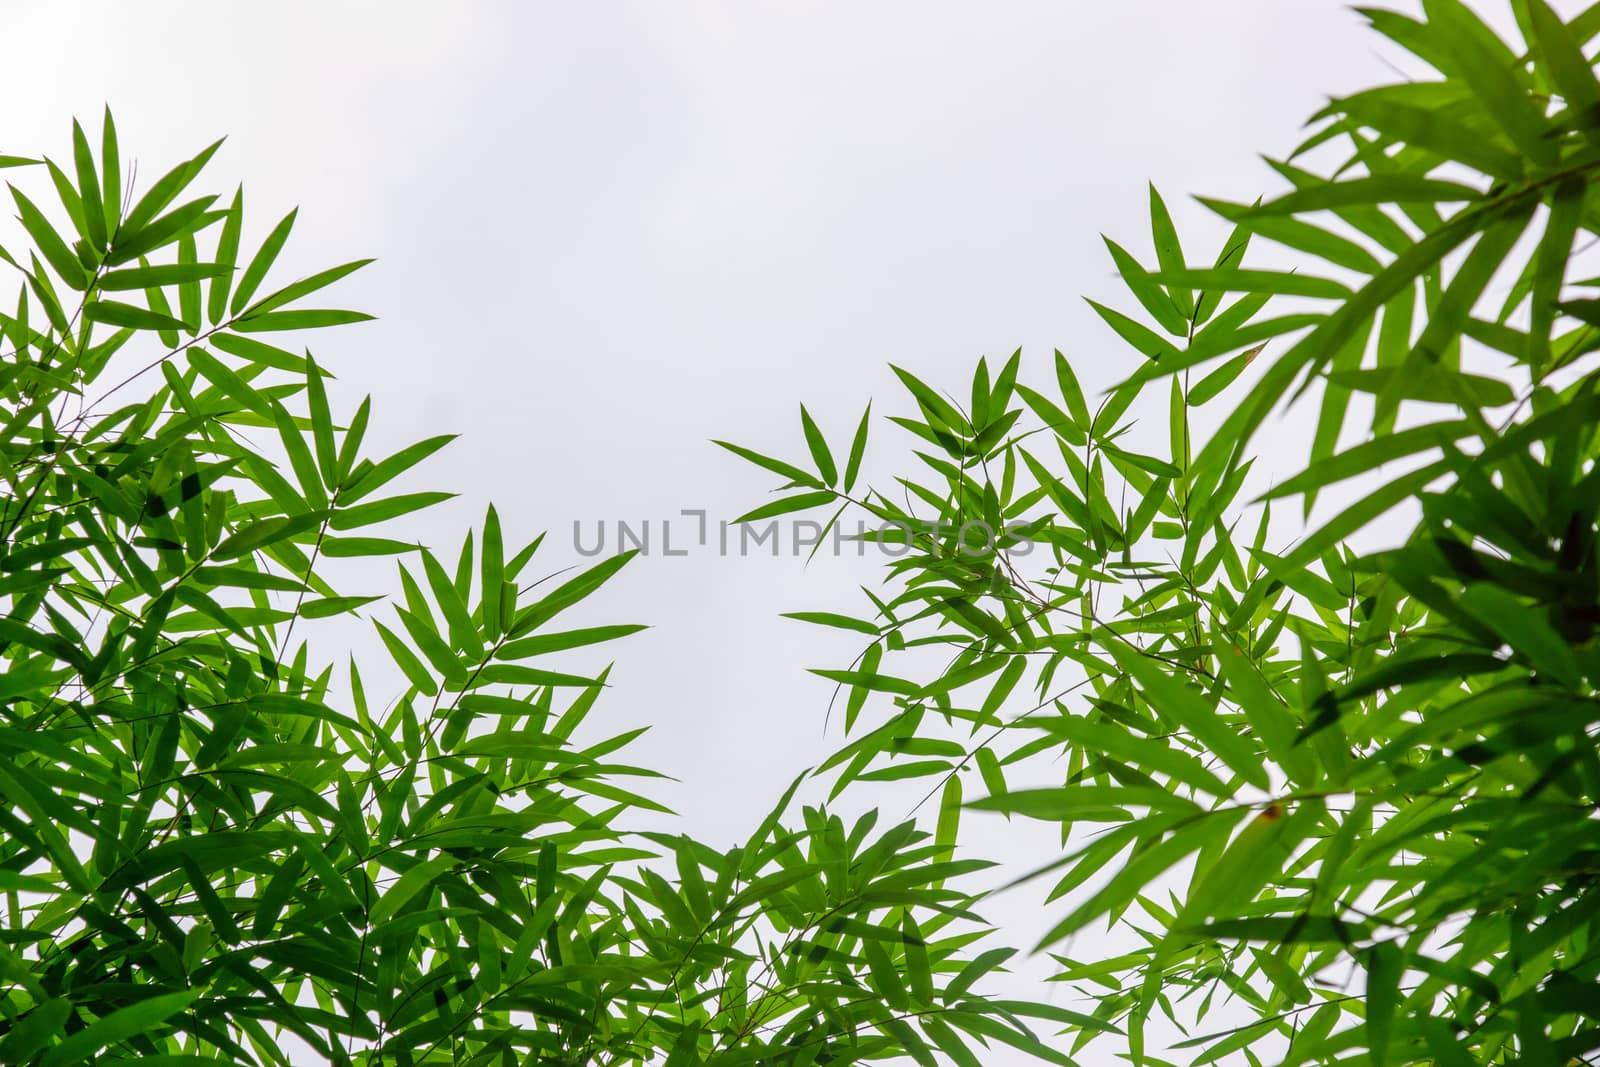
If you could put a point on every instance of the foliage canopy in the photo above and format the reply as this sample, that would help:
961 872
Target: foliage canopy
214 847
1348 780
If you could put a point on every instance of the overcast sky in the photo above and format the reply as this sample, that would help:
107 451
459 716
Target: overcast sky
607 232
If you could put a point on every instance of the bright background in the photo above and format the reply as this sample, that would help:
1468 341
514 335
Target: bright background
608 232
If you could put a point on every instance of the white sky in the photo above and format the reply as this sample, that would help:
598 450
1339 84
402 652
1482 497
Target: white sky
607 232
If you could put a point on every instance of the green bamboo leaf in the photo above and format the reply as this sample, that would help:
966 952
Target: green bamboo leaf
1385 966
1436 385
1304 236
1154 859
1288 929
72 203
1317 348
1150 295
1470 279
260 263
321 424
189 291
114 313
407 661
1549 265
146 277
1355 517
1374 190
185 220
1388 111
1372 455
94 211
540 644
367 478
305 287
819 449
255 536
310 319
828 618
1144 463
431 643
1140 337
1562 56
14 632
936 407
1188 709
919 970
1093 803
300 459
1071 391
1053 417
164 192
1525 631
1214 383
794 474
569 593
491 569
885 976
411 884
517 674
1169 253
49 243
254 351
230 383
949 823
1101 739
1490 71
36 1029
110 175
787 505
135 1019
1235 280
1269 716
160 305
227 258
324 607
1249 863
879 683
858 448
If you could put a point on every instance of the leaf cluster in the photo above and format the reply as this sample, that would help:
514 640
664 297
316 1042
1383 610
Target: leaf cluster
1349 788
216 847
